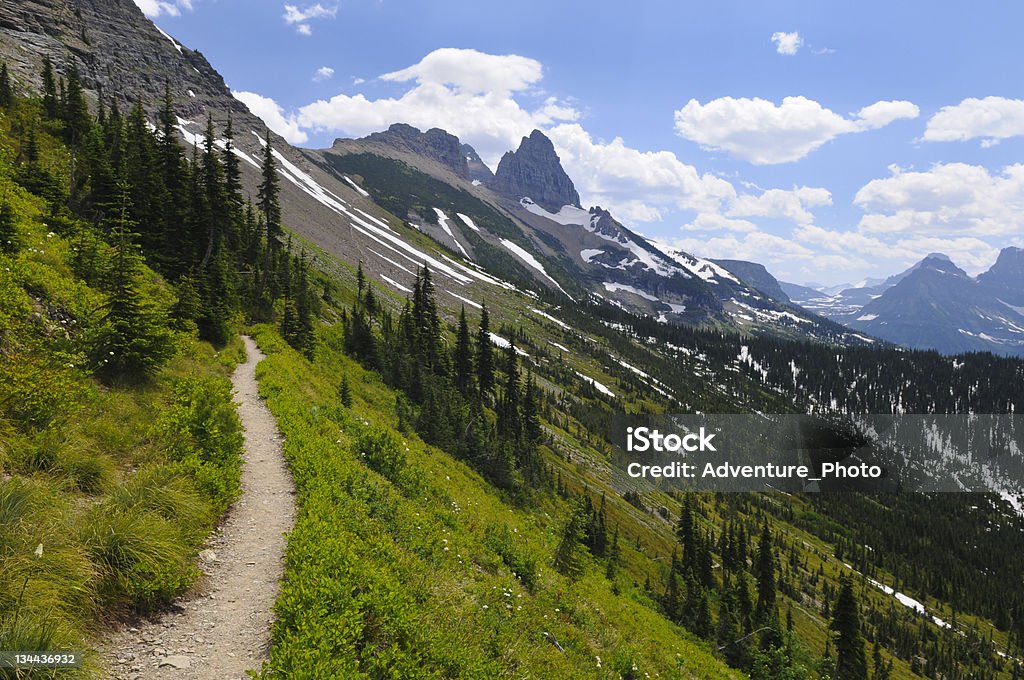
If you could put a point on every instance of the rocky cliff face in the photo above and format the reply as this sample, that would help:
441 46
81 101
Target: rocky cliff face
1005 280
535 170
435 144
118 52
478 170
757 276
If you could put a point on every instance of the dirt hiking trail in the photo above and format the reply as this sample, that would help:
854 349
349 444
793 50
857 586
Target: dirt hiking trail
222 628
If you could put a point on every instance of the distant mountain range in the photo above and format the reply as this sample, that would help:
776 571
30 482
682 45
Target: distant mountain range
933 305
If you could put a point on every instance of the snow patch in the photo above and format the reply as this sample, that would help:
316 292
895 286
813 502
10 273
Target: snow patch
504 344
867 317
614 287
466 300
468 221
362 192
529 259
551 318
603 389
396 284
568 214
587 254
443 221
173 41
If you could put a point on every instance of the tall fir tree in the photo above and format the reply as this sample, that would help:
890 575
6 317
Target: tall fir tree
50 101
6 90
850 659
484 355
463 358
268 198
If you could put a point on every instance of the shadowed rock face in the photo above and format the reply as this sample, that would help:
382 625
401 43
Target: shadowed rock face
534 170
435 144
117 51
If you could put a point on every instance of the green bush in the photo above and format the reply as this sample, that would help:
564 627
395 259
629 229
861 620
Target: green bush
516 556
204 436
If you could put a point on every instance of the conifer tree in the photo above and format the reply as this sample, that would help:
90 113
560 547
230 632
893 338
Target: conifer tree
232 168
175 244
267 196
50 102
850 659
568 558
345 392
509 424
766 612
133 340
6 91
484 355
463 357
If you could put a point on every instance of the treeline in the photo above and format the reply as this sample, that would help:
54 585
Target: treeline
469 399
136 188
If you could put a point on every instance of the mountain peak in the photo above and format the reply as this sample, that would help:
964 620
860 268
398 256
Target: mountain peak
939 262
435 143
535 170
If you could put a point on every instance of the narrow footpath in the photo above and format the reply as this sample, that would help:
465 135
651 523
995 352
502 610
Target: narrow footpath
222 628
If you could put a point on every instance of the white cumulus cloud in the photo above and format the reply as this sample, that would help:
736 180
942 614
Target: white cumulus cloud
787 43
323 73
156 8
947 199
273 115
991 119
764 133
616 176
301 16
781 204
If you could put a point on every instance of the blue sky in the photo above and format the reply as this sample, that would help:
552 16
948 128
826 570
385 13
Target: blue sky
830 141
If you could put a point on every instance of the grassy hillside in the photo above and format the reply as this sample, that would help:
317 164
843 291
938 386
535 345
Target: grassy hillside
406 563
107 487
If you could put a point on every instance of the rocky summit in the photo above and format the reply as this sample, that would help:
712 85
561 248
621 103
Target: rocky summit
534 170
435 144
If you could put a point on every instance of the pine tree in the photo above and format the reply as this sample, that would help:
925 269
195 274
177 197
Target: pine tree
267 196
133 340
345 392
614 556
484 355
6 91
850 660
50 102
232 168
176 246
766 612
568 558
463 357
509 424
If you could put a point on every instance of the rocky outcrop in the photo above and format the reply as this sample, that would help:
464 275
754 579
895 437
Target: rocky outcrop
117 51
1005 280
535 170
478 170
435 144
757 276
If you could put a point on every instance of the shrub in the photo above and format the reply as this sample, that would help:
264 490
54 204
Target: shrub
204 436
